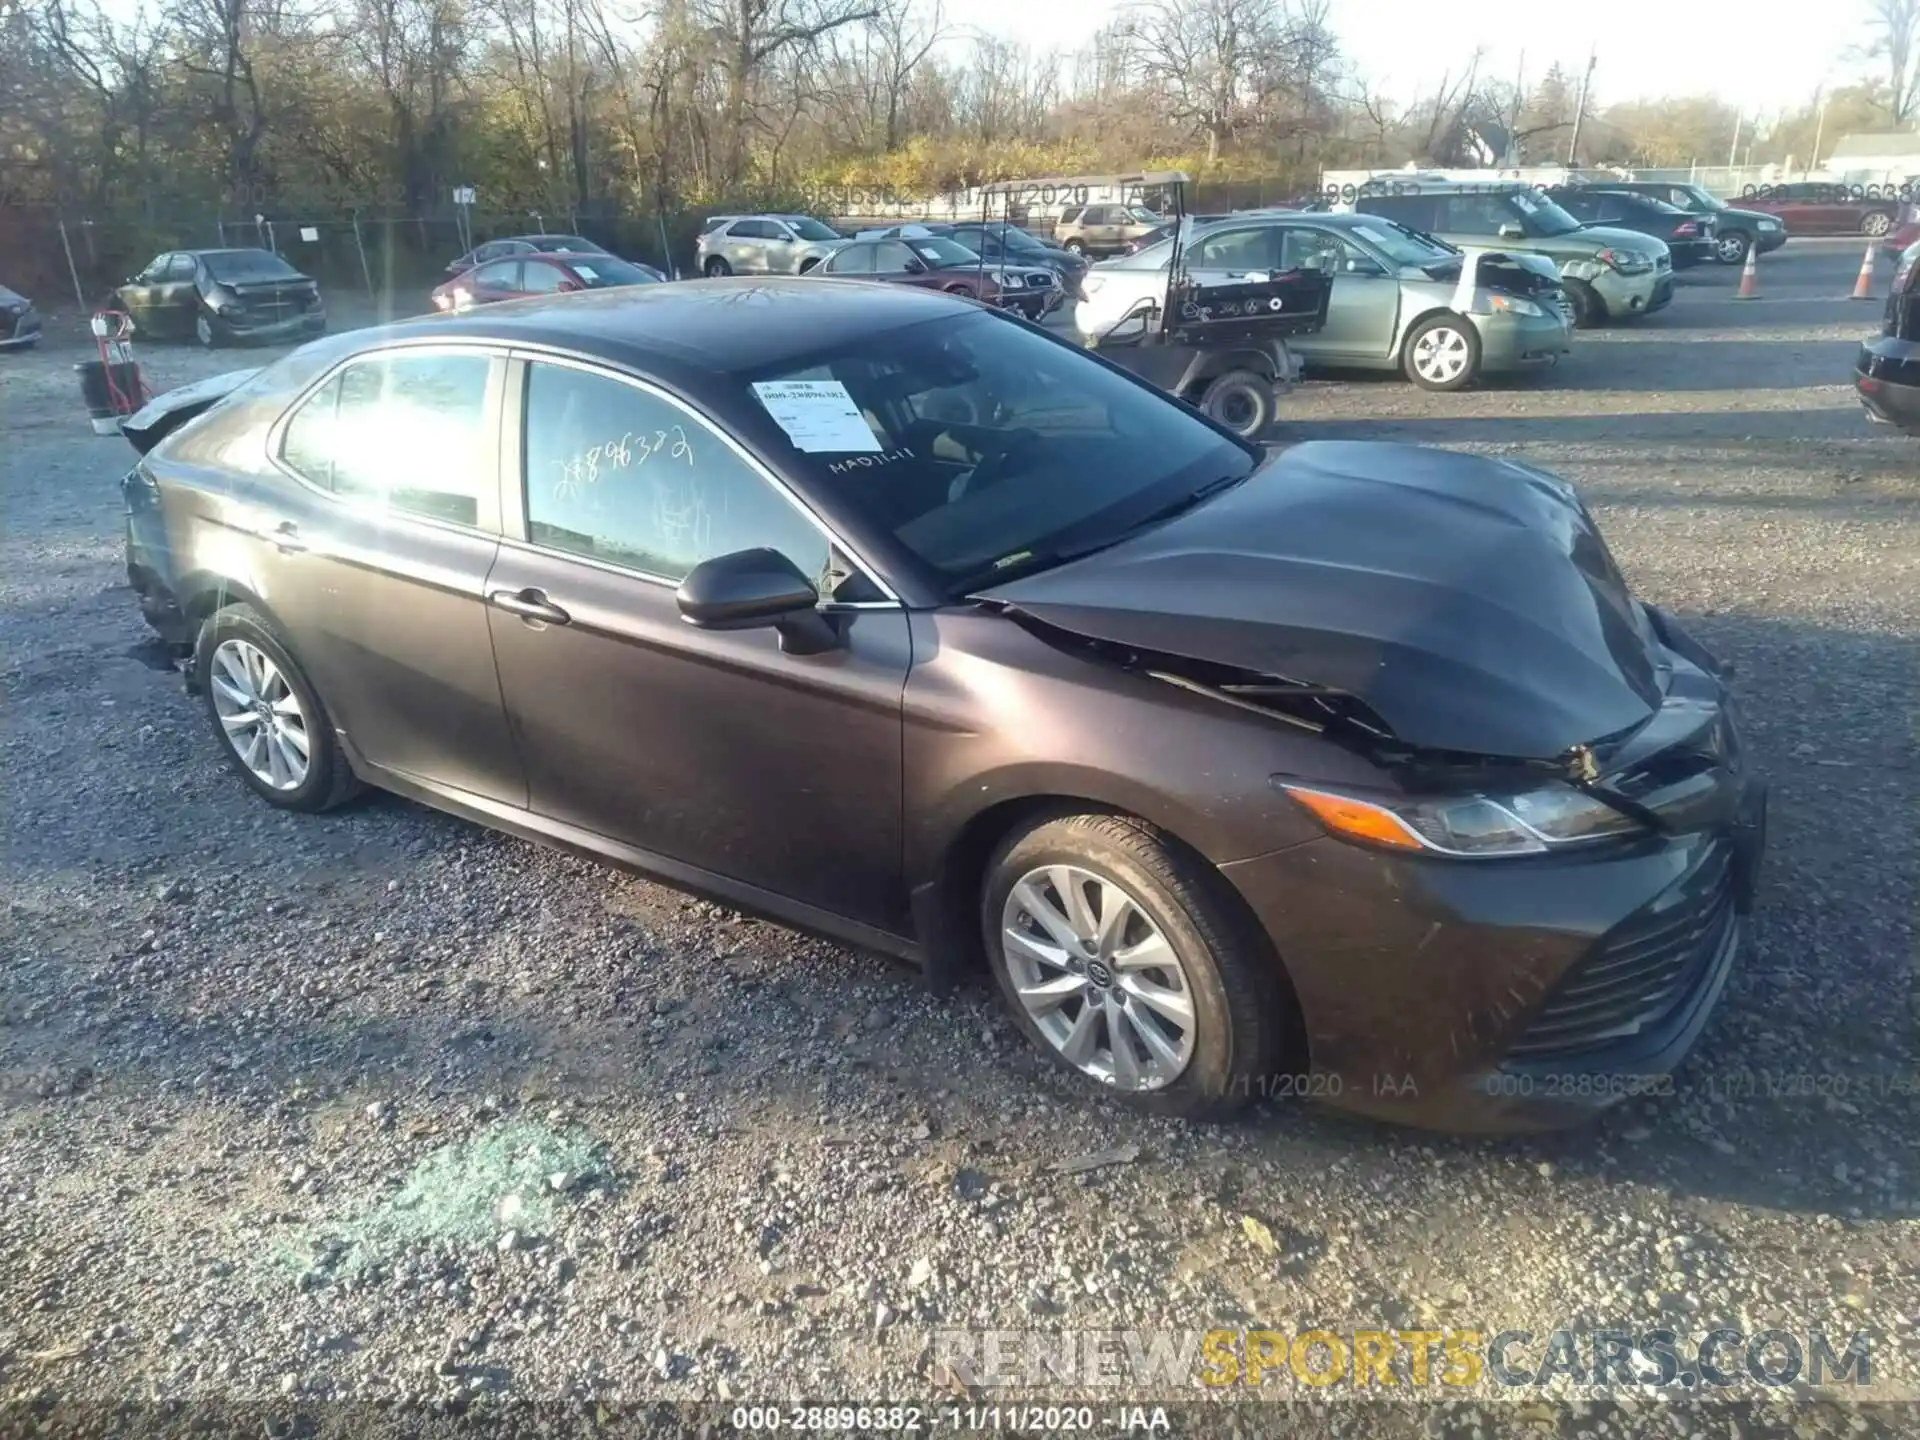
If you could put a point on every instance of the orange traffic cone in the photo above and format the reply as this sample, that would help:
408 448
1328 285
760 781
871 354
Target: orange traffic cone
1863 287
1748 279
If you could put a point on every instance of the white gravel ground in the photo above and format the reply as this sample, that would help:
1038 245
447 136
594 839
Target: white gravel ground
380 1105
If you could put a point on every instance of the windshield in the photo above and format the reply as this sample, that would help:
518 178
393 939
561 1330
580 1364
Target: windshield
1539 215
605 270
942 253
1142 215
997 451
249 265
807 228
1403 246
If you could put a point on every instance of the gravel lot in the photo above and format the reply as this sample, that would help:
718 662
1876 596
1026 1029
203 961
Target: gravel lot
382 1105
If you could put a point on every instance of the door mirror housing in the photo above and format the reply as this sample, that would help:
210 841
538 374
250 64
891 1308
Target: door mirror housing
916 266
751 589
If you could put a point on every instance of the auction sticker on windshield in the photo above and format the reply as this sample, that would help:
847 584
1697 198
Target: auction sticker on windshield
819 416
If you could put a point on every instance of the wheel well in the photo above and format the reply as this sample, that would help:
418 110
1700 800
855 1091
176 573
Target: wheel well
963 871
217 595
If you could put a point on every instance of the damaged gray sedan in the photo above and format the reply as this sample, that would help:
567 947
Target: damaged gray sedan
1401 300
1353 774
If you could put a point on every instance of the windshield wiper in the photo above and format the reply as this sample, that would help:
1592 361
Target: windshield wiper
1025 562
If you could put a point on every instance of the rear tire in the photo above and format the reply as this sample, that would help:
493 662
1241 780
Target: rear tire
1589 310
1076 247
717 266
228 678
1241 400
1235 1006
1876 223
1442 352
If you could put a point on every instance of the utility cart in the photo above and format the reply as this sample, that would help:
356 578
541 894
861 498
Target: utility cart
1222 348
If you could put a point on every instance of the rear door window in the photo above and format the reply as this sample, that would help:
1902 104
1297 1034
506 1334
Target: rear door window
401 431
538 279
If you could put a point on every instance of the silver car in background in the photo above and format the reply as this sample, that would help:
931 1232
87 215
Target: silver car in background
764 245
1396 301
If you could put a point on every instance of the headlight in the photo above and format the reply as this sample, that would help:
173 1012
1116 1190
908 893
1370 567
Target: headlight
222 300
1627 262
1472 826
1769 224
1008 280
1513 305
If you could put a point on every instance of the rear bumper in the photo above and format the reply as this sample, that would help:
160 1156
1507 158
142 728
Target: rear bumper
302 326
1886 377
23 330
150 563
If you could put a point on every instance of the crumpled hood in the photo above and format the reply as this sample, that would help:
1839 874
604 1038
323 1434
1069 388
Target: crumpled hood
166 413
1469 602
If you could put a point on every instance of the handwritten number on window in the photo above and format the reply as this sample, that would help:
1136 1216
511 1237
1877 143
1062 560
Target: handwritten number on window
630 451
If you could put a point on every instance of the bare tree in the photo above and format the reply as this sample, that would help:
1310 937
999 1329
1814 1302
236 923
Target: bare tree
1895 25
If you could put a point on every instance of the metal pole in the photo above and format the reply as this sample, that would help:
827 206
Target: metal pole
220 226
1819 130
366 271
1733 150
78 299
1580 115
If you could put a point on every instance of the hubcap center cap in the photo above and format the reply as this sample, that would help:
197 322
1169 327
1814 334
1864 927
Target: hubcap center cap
1099 974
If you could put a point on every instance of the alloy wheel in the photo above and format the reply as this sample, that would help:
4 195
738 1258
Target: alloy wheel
260 715
1878 223
1097 978
1731 249
1440 355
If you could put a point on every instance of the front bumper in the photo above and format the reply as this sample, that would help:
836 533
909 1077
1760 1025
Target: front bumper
1508 995
1886 377
1629 295
1768 240
1518 342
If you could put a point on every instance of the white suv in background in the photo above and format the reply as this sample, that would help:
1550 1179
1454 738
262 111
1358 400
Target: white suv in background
764 245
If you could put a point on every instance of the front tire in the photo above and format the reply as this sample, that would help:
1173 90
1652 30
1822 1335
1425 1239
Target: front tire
1442 353
1589 310
1241 400
1730 247
1121 960
204 332
272 726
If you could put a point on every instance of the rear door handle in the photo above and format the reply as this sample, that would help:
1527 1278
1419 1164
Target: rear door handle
529 604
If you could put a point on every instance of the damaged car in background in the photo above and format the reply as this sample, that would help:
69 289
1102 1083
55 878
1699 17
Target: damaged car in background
1400 301
1354 772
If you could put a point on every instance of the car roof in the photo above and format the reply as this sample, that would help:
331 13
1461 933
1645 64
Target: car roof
693 328
228 250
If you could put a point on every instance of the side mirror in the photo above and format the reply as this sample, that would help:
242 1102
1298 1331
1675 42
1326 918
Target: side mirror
916 267
571 285
1510 231
750 589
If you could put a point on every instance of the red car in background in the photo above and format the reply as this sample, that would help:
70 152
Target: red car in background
938 263
1906 230
509 245
1826 207
525 275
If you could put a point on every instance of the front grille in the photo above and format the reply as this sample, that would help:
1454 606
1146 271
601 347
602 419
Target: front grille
1642 971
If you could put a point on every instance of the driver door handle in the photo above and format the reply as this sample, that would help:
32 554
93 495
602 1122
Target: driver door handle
286 538
529 604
